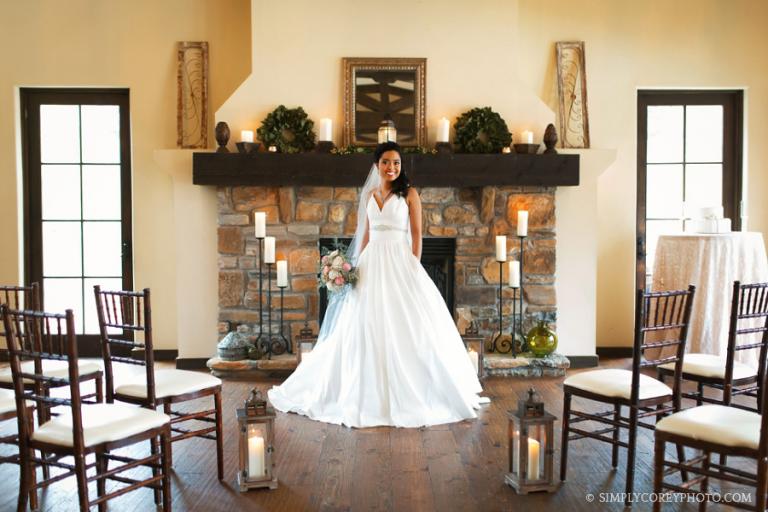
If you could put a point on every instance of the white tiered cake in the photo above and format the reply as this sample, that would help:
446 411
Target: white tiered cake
708 220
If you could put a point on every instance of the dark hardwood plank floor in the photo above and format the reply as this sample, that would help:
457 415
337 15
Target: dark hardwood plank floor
332 468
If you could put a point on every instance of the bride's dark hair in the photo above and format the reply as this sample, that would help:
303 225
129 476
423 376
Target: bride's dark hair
401 185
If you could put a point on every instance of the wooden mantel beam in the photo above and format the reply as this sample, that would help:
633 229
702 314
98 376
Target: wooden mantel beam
318 169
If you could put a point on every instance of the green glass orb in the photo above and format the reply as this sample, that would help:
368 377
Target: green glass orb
542 340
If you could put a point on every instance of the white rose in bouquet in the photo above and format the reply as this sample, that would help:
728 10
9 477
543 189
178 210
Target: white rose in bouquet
338 261
333 274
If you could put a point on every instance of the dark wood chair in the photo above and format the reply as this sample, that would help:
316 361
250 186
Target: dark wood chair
8 412
131 312
28 298
714 429
661 320
81 429
749 319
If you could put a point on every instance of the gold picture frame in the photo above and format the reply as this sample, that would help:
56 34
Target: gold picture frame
385 88
192 95
572 94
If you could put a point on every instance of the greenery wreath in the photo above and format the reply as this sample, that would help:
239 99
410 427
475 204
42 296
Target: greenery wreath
289 129
481 130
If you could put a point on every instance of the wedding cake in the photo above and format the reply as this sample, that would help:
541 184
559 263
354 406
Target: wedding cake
707 220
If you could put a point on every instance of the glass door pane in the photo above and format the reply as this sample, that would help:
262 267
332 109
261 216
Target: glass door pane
81 206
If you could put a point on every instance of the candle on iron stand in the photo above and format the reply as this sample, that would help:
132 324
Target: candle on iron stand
501 248
522 223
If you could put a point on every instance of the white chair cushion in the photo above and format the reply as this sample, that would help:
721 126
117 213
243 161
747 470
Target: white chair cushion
51 368
169 383
617 383
708 365
7 401
101 423
727 426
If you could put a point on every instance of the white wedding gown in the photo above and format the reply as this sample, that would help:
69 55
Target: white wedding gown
394 356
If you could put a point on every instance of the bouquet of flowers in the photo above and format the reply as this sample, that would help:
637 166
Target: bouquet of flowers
336 271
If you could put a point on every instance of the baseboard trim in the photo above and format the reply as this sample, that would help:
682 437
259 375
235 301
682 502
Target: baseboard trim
614 352
191 363
583 361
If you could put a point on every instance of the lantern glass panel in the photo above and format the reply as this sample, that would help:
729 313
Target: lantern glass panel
537 441
256 452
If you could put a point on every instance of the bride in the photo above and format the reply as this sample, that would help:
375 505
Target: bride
388 352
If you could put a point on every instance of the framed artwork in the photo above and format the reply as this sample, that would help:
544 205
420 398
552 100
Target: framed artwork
572 95
377 89
192 99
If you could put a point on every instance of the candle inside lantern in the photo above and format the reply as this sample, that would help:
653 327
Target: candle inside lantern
256 457
475 358
443 127
282 273
269 249
246 136
501 248
533 459
260 224
527 137
514 274
522 223
326 130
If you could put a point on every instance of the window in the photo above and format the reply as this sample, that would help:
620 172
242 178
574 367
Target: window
77 185
689 147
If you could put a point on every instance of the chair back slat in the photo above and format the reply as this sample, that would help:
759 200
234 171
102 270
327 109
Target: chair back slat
661 321
129 312
747 330
19 298
43 330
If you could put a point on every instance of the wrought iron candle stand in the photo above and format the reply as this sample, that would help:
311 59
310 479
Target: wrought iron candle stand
522 276
260 252
272 344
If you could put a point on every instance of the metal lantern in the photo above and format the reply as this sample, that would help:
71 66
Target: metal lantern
256 422
387 131
475 345
531 447
305 342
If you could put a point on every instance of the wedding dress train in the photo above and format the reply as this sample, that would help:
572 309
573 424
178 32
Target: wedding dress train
394 356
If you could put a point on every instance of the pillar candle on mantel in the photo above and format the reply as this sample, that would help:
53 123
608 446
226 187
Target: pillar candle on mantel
282 273
260 224
501 248
269 249
246 136
522 223
514 274
326 130
443 127
527 137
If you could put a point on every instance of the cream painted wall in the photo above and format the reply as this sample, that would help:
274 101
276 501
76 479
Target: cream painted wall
638 45
91 43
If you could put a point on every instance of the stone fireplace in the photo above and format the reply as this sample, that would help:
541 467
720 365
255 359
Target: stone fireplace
468 218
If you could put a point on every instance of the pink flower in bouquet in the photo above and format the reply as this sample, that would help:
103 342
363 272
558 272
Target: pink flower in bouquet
346 267
326 269
325 260
338 281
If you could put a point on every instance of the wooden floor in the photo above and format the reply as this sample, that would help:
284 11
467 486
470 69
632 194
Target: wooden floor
327 467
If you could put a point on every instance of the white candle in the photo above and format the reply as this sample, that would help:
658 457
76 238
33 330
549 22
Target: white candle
272 149
506 150
516 452
246 136
443 126
522 223
533 459
282 273
260 224
527 137
269 249
475 358
326 130
501 248
255 457
514 274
